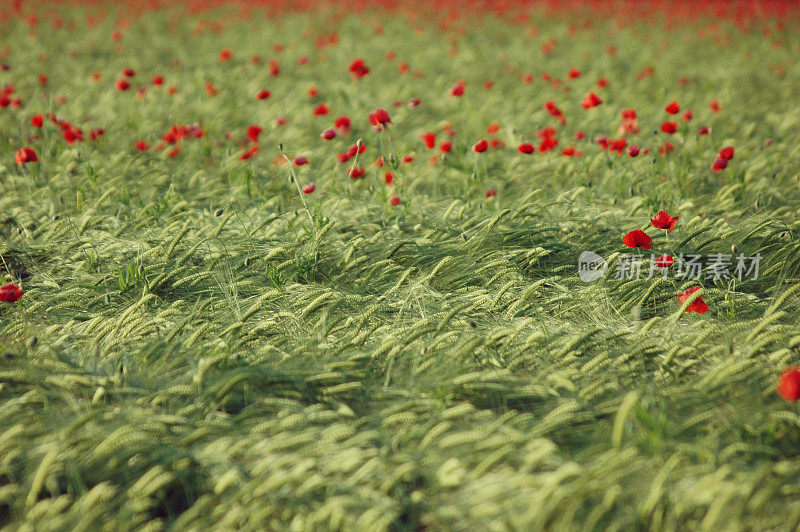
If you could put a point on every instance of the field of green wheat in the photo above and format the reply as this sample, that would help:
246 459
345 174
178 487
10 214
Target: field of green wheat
207 341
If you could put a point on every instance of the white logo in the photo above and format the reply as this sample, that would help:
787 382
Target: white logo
591 266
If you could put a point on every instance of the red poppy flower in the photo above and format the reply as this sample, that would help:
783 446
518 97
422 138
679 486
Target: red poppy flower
249 153
570 151
788 383
673 108
25 155
719 164
300 161
321 110
358 68
602 82
328 134
726 153
122 85
445 146
457 89
356 172
429 139
669 127
633 150
687 115
579 135
664 261
662 220
574 73
714 106
262 94
526 148
354 149
490 193
10 293
388 177
225 54
414 102
142 145
379 118
302 60
666 148
253 132
493 128
408 159
488 84
309 188
342 124
394 201
703 131
481 146
128 72
172 89
699 306
210 90
497 144
158 81
282 121
95 134
403 68
591 100
617 145
274 68
637 239
527 78
37 121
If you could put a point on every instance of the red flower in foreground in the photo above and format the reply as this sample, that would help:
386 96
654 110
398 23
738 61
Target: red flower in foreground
122 85
309 188
591 100
673 108
158 81
25 155
788 384
10 293
253 132
356 172
394 201
703 130
481 146
321 110
37 121
669 127
445 146
574 73
429 139
719 164
637 239
457 89
633 150
526 148
698 305
142 145
342 124
262 95
300 161
726 153
358 68
328 134
662 220
379 118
